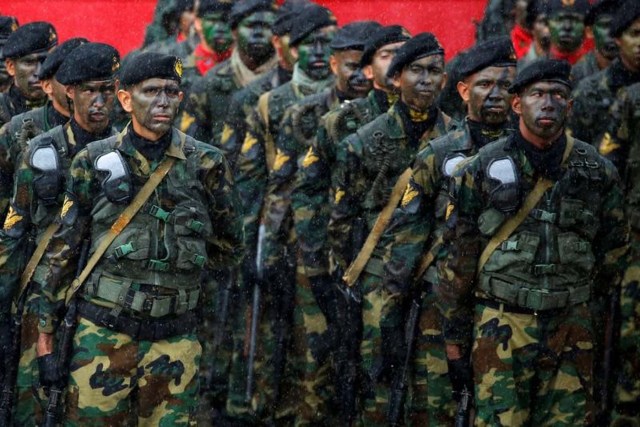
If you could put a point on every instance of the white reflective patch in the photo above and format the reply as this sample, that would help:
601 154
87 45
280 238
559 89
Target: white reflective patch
503 170
451 164
113 163
45 158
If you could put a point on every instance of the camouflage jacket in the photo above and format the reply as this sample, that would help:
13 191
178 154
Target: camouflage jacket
570 248
311 194
368 164
418 223
13 103
200 171
587 66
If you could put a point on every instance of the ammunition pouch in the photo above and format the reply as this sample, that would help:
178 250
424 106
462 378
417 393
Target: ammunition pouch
505 192
117 184
47 183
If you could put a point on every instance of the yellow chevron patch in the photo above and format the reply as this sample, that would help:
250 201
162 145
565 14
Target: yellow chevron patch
12 219
227 133
607 146
249 142
410 193
310 158
339 195
280 160
68 204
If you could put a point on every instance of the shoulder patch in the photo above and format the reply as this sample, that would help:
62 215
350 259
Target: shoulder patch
249 142
607 145
280 160
339 195
310 158
66 206
227 132
12 219
410 193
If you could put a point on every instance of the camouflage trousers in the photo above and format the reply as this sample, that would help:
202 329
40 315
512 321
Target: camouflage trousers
117 381
627 395
533 370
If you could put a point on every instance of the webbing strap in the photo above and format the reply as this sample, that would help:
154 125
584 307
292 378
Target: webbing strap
428 258
353 272
27 274
530 202
269 145
123 220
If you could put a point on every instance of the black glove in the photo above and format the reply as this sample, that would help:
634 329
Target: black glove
461 376
51 375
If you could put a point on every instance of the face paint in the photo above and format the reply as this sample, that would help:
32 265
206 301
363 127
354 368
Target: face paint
567 30
421 82
489 101
380 65
254 36
314 52
26 75
544 108
154 104
349 77
629 44
92 104
541 33
605 44
216 32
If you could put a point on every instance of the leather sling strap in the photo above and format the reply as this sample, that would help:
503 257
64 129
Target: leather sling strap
269 145
353 272
120 224
27 274
428 258
530 202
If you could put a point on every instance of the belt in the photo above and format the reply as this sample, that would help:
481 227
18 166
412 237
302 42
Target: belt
497 305
139 329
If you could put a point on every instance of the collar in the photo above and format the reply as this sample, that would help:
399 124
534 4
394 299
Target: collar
571 57
205 59
306 85
522 39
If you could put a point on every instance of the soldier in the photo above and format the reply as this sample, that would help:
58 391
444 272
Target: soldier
252 55
365 178
88 75
311 342
416 229
178 19
212 27
535 230
311 34
595 95
8 24
538 21
597 20
566 24
145 344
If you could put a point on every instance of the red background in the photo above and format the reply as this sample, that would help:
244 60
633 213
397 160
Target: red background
122 23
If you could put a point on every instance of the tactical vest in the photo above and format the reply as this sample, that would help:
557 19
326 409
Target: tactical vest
162 246
351 116
548 261
632 171
306 116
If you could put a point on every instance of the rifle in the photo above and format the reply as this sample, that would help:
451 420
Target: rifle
399 391
250 347
462 413
222 315
65 347
609 359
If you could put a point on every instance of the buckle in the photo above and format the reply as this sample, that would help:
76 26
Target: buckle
198 260
543 215
124 250
158 212
509 245
195 225
157 265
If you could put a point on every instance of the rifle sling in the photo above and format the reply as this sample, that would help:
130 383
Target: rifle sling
353 272
27 274
542 185
121 223
269 146
428 258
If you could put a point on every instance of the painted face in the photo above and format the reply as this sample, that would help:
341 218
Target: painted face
488 99
543 107
567 30
154 105
380 65
605 44
216 32
541 32
283 47
92 104
629 44
254 36
314 52
57 93
25 75
349 77
421 81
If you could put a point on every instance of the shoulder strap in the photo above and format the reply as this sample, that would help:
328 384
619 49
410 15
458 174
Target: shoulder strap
27 274
120 224
530 202
356 267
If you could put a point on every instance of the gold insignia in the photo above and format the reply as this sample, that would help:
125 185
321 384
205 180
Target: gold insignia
568 3
249 142
179 67
186 121
68 203
449 211
12 219
607 146
280 160
227 132
310 158
116 65
339 195
52 35
14 26
410 193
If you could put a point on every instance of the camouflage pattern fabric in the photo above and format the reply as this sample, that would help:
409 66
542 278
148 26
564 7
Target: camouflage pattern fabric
587 66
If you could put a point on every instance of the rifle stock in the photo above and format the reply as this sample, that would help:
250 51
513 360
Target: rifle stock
463 411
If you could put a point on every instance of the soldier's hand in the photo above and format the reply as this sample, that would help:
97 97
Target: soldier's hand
51 375
461 376
44 345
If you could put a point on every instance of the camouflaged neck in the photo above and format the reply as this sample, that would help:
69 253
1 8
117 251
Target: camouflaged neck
415 129
620 76
19 102
385 99
151 150
82 137
547 163
306 84
482 133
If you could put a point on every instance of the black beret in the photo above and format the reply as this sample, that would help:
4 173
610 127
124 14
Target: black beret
534 9
310 19
34 37
286 15
578 6
243 8
382 37
206 7
8 24
424 44
496 52
542 70
354 35
149 65
602 7
626 15
182 5
57 56
89 61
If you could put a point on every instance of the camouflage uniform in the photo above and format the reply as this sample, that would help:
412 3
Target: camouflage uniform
368 163
149 349
33 209
587 66
533 331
